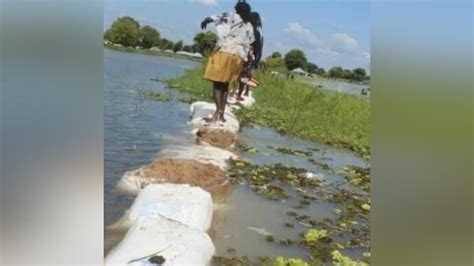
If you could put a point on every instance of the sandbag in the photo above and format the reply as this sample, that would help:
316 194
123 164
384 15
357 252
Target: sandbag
176 243
132 182
247 102
191 206
201 110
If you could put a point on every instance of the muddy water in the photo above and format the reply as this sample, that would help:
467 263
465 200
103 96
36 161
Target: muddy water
137 129
246 218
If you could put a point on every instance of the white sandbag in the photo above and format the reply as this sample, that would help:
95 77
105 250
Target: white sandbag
201 110
176 243
247 102
132 182
191 206
201 153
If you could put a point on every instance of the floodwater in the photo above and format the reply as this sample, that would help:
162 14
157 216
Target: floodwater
244 210
137 129
338 86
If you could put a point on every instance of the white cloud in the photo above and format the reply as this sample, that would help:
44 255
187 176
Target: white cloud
345 42
205 2
336 45
302 33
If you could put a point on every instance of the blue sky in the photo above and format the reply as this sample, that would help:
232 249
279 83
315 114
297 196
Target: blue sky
330 32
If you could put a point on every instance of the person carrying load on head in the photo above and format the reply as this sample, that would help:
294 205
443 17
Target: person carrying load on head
235 36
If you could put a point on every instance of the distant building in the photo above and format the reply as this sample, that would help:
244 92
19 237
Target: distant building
299 71
169 51
155 49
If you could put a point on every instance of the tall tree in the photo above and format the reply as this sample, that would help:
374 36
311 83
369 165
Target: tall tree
204 42
347 74
336 72
149 37
276 55
125 31
295 58
275 62
321 71
359 74
178 46
166 44
188 48
311 68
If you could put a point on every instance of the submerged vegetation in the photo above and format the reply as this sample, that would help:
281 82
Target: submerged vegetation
297 109
144 94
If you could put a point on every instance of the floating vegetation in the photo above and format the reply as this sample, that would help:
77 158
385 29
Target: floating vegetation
339 259
287 151
188 99
245 148
358 176
270 238
274 192
263 178
289 225
312 237
323 166
159 79
348 229
153 95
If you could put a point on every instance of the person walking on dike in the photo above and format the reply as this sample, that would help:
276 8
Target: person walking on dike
235 36
254 57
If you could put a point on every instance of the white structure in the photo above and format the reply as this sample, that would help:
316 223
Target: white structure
169 221
300 71
196 55
169 51
172 242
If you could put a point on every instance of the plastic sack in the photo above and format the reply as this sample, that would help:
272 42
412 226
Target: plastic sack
175 243
191 206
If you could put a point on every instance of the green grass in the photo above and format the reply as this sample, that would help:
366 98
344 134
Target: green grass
192 82
298 109
148 52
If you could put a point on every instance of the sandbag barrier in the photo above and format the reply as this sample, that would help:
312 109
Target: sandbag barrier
172 212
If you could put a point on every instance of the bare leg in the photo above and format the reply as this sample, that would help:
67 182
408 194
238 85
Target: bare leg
217 100
224 95
246 90
241 88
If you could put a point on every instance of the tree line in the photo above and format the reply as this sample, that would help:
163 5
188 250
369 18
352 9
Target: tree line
128 32
296 58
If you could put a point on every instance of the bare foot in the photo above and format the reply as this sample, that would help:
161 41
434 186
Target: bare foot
213 119
221 117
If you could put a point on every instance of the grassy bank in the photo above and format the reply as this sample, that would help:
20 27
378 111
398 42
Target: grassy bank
298 109
149 52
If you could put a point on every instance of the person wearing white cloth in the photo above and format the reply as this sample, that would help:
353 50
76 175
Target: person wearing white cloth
235 36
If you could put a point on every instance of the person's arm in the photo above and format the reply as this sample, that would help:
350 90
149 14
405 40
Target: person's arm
213 18
206 21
